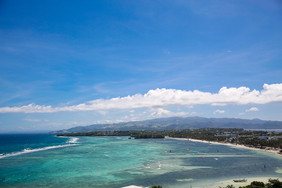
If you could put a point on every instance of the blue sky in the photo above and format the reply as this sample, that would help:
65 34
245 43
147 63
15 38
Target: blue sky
69 63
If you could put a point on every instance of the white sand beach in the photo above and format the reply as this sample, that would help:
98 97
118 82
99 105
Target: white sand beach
228 144
224 183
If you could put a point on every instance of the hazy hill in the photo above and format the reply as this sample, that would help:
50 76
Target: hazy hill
180 123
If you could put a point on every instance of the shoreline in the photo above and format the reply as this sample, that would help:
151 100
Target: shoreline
222 183
277 152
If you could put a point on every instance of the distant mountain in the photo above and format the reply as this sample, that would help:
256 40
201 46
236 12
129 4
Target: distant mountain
180 123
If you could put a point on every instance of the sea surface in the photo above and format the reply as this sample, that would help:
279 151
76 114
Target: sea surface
41 160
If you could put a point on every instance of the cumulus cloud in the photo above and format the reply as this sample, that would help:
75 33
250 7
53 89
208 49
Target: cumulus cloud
159 98
218 112
253 109
160 112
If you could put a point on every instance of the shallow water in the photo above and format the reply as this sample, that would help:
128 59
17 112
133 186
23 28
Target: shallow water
119 161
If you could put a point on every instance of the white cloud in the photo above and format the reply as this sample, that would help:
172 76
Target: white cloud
32 120
218 112
160 98
160 112
253 109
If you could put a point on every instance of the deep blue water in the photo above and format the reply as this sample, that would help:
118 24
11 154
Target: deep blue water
18 142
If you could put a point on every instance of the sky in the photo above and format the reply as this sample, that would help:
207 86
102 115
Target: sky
75 63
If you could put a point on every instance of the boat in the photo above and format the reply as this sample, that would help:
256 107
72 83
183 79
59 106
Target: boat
240 180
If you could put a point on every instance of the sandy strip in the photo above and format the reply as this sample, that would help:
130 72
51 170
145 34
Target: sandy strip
227 144
224 183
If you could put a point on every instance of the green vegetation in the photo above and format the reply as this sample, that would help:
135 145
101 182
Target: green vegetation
272 183
230 186
156 186
135 134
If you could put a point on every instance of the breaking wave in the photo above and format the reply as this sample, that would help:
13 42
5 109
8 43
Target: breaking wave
27 150
73 140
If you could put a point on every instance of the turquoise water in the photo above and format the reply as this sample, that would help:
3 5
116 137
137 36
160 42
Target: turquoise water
119 161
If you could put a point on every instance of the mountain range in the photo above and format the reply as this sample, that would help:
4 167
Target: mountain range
179 123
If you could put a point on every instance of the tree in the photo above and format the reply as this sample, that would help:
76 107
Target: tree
274 183
156 186
230 186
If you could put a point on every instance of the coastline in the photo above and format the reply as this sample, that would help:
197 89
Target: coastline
224 183
228 144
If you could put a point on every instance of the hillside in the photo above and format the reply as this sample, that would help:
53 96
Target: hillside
179 123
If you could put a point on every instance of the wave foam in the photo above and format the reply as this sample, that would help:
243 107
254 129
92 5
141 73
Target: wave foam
27 150
73 140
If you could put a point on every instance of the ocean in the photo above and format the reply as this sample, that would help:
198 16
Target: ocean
42 160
